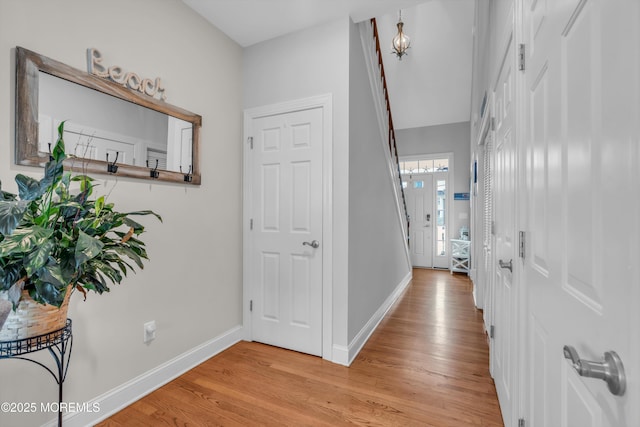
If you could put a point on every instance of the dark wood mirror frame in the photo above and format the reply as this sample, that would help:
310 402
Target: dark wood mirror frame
28 66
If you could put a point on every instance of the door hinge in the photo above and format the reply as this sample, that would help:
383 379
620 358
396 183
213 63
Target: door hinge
250 141
521 422
492 331
521 53
521 244
250 305
251 224
493 123
493 228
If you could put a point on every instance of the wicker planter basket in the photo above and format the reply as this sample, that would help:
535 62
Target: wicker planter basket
31 318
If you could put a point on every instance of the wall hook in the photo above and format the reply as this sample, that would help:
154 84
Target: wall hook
112 167
153 173
188 177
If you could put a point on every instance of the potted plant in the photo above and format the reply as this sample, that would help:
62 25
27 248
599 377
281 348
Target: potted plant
55 239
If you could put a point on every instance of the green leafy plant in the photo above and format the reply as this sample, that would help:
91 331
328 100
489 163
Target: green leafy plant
53 241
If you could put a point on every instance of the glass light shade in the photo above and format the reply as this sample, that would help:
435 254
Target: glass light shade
401 42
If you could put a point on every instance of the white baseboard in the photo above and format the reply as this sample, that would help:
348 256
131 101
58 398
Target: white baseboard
363 336
131 391
340 355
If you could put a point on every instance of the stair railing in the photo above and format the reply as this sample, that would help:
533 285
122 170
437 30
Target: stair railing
393 147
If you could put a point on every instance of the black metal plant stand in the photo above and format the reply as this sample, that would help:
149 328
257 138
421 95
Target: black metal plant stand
59 344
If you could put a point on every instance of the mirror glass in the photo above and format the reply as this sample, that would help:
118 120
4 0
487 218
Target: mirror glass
105 123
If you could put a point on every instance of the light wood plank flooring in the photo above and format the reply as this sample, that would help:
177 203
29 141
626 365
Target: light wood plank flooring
427 364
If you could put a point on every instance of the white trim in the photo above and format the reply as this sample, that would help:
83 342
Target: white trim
485 133
325 102
341 355
133 390
363 336
521 125
484 125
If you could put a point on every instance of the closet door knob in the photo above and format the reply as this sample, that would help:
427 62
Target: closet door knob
610 371
314 244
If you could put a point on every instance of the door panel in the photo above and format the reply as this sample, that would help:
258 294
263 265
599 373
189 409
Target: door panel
579 408
505 343
270 281
287 202
441 256
420 197
580 157
538 373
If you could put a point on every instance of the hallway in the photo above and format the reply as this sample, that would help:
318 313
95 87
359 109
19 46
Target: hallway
426 365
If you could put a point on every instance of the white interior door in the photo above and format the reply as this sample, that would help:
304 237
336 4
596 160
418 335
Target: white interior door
582 214
419 196
286 247
504 343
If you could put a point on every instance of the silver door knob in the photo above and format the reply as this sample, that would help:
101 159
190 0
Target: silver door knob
611 370
507 265
314 244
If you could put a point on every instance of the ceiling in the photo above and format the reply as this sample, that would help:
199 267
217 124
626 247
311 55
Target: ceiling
430 86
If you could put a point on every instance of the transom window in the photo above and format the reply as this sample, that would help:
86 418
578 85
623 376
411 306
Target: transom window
423 166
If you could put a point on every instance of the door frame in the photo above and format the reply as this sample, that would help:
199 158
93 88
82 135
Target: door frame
510 35
479 275
450 192
522 118
324 102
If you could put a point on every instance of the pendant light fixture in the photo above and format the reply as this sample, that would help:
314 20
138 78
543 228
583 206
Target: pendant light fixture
401 42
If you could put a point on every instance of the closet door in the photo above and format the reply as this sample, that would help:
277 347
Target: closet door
581 210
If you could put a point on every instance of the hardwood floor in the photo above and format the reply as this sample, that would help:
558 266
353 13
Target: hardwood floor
427 364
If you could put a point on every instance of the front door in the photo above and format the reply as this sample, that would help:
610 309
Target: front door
582 209
426 195
419 194
286 232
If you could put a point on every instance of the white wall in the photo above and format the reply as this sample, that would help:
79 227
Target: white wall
440 54
479 84
449 138
377 258
192 285
312 62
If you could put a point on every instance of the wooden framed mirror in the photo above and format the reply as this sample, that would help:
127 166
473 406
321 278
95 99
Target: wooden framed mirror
105 124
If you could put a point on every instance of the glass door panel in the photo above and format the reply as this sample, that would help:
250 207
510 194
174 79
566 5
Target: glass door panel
441 258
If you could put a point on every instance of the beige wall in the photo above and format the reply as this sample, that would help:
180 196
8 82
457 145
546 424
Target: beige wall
192 285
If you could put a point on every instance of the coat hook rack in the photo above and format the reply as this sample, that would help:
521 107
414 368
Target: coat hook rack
112 167
153 173
188 177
